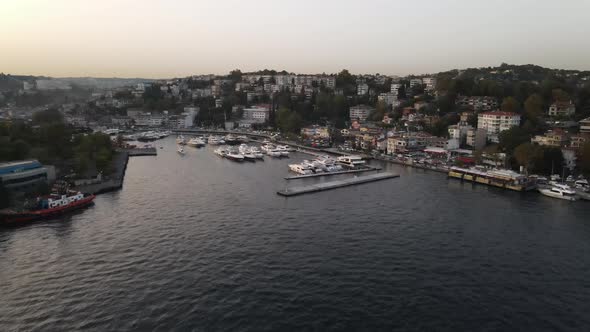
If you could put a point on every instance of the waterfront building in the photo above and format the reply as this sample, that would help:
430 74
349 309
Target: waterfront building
496 122
585 126
24 175
562 108
315 132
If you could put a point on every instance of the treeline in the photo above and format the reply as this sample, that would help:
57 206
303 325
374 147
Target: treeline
51 141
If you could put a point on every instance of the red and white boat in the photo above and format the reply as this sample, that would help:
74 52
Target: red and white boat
48 207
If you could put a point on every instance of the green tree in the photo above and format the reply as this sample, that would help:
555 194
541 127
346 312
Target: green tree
48 116
513 137
510 104
527 154
533 107
560 95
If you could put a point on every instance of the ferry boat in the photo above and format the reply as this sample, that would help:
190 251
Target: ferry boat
50 206
351 161
501 178
560 191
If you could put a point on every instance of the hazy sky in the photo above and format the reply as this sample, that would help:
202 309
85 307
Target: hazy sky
168 38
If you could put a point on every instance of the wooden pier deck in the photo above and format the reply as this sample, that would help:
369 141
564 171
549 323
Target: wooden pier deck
350 171
293 191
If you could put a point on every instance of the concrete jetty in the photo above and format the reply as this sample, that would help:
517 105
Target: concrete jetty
350 171
293 191
141 152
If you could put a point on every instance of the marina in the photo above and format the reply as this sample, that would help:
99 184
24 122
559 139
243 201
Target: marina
300 190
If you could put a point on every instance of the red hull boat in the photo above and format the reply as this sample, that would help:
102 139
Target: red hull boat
49 207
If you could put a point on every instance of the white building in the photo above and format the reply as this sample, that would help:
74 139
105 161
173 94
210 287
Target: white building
190 112
496 122
395 88
258 114
388 98
430 83
459 132
562 108
414 82
362 89
360 112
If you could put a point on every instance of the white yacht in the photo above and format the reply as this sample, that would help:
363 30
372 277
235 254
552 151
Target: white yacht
220 152
561 191
180 140
216 140
196 142
351 161
300 169
283 149
233 154
256 153
180 150
329 163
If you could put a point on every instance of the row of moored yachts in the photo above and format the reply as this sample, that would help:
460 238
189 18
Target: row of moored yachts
251 153
570 191
326 164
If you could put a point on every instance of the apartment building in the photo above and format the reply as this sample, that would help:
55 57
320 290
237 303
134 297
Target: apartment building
496 122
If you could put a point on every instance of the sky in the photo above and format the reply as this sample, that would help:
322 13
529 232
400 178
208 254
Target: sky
177 38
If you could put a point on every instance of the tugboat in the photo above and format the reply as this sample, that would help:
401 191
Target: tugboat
59 202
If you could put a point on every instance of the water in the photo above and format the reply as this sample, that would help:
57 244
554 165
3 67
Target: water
201 243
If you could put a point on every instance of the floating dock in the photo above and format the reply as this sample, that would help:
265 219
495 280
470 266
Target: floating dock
350 171
293 191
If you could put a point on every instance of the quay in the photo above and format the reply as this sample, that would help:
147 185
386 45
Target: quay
350 171
335 184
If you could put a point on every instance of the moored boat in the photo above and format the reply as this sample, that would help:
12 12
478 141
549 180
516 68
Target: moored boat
50 206
560 191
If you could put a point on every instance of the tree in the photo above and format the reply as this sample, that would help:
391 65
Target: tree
47 116
533 107
510 104
513 137
527 154
559 95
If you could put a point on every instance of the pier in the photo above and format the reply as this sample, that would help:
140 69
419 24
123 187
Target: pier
350 171
335 184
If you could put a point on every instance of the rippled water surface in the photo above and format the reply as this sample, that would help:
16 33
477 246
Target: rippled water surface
201 243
